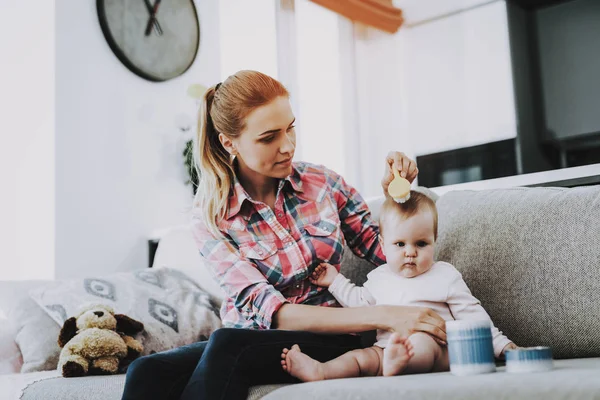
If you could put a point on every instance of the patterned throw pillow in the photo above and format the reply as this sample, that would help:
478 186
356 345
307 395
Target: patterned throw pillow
174 309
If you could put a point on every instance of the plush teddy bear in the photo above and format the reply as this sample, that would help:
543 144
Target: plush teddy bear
97 342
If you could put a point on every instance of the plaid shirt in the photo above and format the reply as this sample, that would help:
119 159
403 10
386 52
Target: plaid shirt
267 255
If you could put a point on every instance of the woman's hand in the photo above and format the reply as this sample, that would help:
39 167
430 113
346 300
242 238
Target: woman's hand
407 320
407 168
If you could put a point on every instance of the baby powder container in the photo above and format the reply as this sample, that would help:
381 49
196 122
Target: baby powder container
470 347
529 359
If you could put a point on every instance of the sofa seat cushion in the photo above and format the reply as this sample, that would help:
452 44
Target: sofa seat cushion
47 386
573 379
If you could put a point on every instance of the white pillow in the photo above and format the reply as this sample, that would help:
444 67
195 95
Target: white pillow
35 352
10 355
177 249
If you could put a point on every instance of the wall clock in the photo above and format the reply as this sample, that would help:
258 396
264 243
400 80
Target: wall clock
157 40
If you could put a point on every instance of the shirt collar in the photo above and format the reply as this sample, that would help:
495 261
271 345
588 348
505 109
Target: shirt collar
238 194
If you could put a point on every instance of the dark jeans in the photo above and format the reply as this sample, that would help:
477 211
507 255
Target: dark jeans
227 365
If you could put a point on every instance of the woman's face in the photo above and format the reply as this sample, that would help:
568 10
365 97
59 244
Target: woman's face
266 147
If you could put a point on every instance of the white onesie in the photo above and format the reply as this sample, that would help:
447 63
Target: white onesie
441 288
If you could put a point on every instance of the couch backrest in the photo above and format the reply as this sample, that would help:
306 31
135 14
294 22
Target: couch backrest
531 256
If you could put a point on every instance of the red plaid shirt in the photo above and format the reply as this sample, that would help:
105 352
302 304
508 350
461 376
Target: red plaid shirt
267 255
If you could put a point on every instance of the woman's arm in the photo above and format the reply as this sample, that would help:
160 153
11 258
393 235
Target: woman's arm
401 319
252 294
360 230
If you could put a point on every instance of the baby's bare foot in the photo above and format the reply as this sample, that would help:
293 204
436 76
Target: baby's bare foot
396 355
301 366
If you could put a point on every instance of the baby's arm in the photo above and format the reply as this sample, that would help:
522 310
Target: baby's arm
464 306
345 292
323 275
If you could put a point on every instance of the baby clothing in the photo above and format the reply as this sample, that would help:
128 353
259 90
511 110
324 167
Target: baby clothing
441 288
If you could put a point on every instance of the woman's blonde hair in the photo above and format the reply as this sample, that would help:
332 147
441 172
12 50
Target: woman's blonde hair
224 110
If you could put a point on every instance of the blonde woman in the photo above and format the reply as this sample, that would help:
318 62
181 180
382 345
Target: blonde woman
263 223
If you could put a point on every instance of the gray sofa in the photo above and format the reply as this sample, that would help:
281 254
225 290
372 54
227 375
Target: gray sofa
531 255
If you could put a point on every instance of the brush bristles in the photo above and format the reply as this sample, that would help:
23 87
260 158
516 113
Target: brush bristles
402 199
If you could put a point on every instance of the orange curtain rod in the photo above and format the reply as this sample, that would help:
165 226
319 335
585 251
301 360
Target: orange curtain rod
380 14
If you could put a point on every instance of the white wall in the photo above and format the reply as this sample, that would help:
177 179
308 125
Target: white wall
27 139
119 171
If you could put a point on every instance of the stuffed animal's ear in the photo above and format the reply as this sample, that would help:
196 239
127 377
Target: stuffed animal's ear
67 332
128 326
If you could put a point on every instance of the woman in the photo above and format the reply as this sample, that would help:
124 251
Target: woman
264 223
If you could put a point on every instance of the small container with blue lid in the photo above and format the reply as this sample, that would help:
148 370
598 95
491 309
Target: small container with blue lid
529 359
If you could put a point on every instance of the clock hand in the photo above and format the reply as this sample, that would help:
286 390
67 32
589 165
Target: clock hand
152 19
157 27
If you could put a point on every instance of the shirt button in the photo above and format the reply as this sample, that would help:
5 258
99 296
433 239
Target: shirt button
280 215
297 286
260 252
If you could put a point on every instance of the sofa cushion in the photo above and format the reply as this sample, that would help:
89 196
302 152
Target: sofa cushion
573 379
99 388
532 256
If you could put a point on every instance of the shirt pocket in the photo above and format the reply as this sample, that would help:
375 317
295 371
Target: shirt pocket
264 255
260 250
322 228
325 241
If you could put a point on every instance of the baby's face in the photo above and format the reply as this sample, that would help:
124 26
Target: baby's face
408 243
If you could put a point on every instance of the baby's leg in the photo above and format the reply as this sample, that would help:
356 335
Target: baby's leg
360 362
428 355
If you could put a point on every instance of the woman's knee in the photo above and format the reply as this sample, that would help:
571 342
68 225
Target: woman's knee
226 338
146 367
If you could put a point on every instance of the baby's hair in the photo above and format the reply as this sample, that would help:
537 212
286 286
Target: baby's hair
417 202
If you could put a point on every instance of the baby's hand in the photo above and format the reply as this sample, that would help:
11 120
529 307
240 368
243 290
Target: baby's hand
510 346
323 275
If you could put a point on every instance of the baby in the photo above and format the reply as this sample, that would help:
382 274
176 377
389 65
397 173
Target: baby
408 233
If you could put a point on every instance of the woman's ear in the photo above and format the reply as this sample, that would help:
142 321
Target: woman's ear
128 326
227 144
67 332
